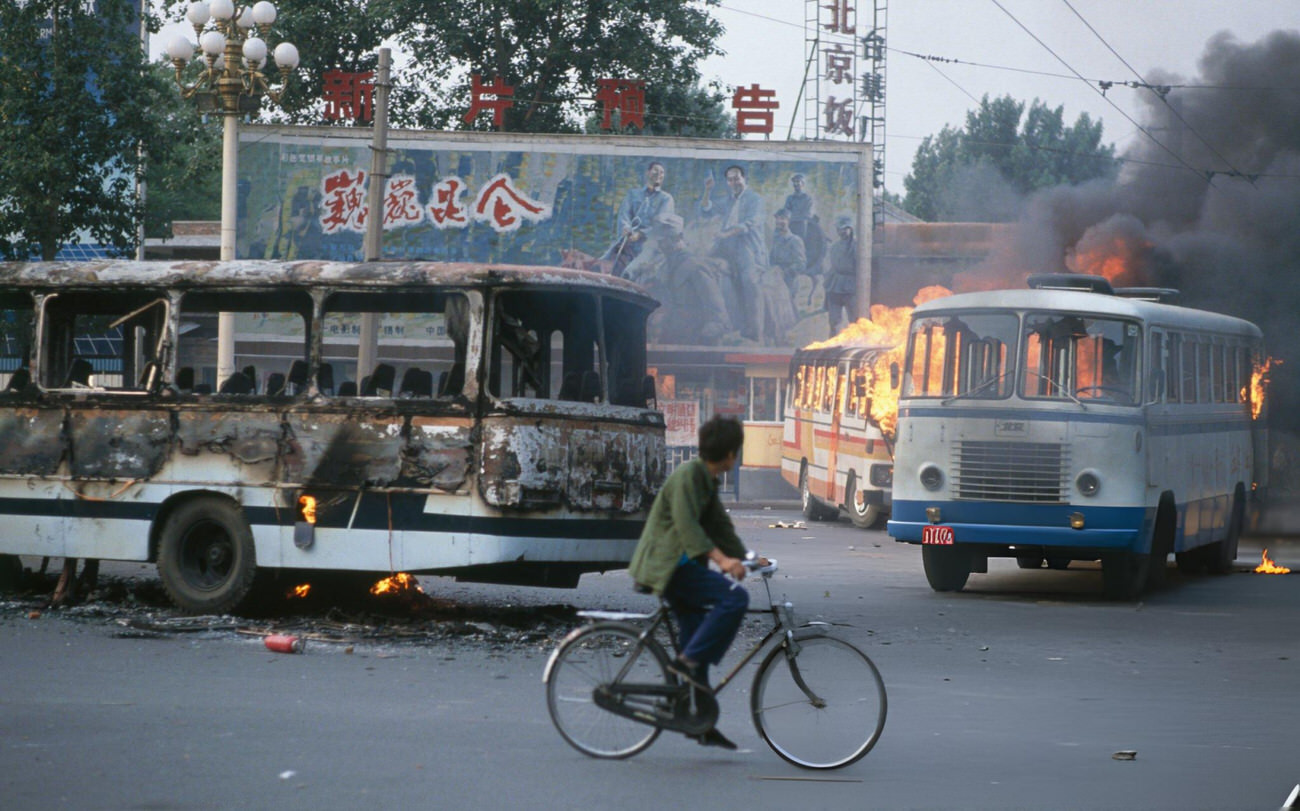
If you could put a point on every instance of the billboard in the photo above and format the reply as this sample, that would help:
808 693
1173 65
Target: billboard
735 238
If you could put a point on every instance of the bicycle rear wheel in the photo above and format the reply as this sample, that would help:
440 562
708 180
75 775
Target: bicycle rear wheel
823 710
587 660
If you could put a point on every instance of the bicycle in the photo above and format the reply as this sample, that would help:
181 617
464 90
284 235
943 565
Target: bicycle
816 700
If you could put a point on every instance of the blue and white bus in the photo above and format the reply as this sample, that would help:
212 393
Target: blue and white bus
1070 421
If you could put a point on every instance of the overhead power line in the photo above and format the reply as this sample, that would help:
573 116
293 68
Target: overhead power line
1235 172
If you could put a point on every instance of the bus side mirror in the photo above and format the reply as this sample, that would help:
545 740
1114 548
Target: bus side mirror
894 374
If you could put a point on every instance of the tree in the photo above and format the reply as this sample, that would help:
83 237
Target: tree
184 181
75 105
983 171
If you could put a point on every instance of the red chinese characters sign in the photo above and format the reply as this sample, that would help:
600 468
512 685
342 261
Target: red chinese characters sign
498 204
754 106
627 98
348 95
479 101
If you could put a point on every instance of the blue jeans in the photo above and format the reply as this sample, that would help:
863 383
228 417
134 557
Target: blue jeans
709 609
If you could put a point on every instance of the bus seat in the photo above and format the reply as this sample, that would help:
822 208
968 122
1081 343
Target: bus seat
325 379
275 385
348 388
590 386
455 382
19 379
416 382
79 374
571 387
185 378
297 377
649 394
237 383
380 383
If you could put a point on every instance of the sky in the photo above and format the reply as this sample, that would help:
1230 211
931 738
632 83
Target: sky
764 44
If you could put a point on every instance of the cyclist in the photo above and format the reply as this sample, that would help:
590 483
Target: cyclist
687 528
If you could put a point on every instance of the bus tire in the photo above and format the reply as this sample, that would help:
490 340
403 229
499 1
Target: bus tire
864 516
813 509
1124 574
206 559
947 568
1219 557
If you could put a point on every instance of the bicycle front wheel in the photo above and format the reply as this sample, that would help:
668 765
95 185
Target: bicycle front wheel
588 660
823 709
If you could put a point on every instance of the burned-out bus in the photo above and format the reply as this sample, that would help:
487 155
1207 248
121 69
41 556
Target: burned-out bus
495 423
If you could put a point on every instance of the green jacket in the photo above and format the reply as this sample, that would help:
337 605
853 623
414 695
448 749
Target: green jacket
687 519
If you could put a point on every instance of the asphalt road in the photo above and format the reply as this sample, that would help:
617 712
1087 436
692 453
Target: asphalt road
1013 694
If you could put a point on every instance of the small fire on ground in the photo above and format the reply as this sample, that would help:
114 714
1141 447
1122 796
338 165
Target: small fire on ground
397 584
299 591
1267 566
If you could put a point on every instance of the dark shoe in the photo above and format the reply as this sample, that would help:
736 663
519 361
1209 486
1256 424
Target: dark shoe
714 738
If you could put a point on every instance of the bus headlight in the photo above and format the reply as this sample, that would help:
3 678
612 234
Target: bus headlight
931 477
1087 483
882 476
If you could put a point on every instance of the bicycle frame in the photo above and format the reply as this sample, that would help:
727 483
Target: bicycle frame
783 625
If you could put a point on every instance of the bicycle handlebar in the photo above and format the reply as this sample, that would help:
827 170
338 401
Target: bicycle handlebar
752 565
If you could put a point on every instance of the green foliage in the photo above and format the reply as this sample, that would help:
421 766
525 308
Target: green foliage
958 173
182 182
75 104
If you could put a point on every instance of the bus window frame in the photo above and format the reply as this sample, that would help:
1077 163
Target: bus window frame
151 361
1064 365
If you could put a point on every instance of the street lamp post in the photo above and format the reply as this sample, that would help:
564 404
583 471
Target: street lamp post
231 84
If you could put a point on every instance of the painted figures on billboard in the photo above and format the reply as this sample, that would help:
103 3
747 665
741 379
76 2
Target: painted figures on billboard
576 202
640 209
740 242
788 252
842 276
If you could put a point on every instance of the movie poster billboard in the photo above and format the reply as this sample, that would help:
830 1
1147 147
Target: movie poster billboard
734 238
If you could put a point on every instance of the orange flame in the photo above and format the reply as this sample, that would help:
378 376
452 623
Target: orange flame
1267 566
399 582
886 328
308 505
299 591
1117 257
1259 381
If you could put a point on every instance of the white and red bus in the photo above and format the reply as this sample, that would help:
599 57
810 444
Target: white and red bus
832 449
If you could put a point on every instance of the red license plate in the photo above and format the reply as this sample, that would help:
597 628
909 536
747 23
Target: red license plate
940 536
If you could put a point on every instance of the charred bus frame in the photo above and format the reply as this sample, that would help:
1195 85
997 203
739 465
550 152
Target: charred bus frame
508 432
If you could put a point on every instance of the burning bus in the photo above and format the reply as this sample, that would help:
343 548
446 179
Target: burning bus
495 423
1076 421
841 414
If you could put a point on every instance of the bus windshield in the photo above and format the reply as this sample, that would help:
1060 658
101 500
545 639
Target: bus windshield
961 354
1077 357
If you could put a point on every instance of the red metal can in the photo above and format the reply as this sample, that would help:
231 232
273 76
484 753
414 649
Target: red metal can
283 643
